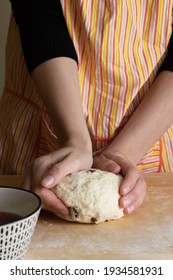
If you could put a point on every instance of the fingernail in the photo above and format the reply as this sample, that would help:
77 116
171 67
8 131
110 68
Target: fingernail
47 181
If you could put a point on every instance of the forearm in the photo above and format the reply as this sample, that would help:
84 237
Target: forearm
58 85
151 119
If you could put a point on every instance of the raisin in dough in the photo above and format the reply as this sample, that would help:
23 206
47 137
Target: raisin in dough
91 195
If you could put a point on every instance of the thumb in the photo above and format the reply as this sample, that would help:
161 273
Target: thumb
58 171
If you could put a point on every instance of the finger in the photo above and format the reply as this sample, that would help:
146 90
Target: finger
131 176
137 193
36 171
134 206
128 171
103 163
58 171
32 181
52 203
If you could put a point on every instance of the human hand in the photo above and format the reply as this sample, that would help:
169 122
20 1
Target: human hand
47 171
133 186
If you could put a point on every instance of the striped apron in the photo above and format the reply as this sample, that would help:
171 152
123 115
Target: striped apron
120 46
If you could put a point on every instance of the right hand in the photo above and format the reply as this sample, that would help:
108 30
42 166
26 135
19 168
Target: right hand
47 171
133 186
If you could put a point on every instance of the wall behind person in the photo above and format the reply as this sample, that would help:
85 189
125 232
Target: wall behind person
5 9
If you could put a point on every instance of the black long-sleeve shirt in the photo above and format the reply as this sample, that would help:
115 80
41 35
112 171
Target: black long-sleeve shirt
44 33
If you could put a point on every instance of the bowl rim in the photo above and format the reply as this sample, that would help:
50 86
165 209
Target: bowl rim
33 212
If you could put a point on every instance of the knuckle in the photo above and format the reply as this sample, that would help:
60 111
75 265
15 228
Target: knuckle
77 162
40 162
37 163
133 173
55 169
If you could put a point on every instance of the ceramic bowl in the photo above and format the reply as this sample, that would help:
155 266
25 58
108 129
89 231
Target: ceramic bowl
19 212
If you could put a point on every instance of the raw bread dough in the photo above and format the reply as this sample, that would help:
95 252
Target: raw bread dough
91 195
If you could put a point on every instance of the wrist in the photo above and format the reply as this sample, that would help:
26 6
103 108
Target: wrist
83 142
125 151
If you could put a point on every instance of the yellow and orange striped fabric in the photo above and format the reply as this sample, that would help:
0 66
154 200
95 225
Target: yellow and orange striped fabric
120 46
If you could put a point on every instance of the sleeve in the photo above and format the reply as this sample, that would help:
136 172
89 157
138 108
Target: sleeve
43 31
168 62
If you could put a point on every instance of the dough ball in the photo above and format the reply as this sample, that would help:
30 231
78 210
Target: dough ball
91 195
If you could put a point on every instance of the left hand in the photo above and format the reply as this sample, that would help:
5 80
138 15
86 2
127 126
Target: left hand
45 172
133 187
